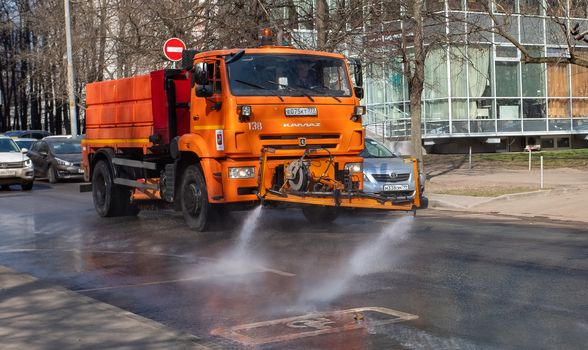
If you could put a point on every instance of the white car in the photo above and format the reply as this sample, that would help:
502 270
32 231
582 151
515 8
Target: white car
15 167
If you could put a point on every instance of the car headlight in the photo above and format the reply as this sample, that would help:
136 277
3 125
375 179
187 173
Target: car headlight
62 162
246 172
28 163
354 168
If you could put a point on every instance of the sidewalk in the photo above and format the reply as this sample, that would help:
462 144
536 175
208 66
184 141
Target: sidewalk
34 315
564 197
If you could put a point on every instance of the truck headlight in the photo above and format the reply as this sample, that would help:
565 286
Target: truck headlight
62 162
246 172
28 163
354 168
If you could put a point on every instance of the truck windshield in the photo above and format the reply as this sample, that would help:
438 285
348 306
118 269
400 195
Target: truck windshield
288 75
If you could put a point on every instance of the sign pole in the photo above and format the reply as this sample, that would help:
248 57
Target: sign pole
73 116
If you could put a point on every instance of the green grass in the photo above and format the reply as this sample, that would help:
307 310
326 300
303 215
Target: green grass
573 158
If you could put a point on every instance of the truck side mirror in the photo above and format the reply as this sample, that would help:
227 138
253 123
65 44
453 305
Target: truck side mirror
358 92
204 91
200 74
358 73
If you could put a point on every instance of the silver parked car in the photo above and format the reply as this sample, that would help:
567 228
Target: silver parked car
15 167
387 174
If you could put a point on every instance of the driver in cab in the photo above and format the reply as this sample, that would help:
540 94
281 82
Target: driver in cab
305 77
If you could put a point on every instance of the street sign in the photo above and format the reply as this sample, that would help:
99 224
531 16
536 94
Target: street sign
172 49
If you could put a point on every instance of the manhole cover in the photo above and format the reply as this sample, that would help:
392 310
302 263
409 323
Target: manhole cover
312 325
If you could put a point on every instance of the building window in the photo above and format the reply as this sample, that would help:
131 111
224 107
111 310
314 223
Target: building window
579 81
533 76
580 108
555 8
481 109
479 71
509 24
558 108
476 5
547 142
437 110
508 108
505 6
530 7
459 83
556 33
435 5
557 79
578 8
532 30
533 108
508 75
455 4
436 74
562 142
459 109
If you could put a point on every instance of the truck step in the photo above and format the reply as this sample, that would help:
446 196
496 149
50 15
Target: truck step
134 163
135 184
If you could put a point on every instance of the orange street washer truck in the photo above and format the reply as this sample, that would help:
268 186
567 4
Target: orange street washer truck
231 128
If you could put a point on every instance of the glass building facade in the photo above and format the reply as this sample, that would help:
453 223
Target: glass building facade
482 89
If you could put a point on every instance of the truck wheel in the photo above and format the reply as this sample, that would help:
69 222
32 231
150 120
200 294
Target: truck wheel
194 198
27 186
109 198
52 174
320 215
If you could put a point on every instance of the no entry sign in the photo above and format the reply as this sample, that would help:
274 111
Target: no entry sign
172 49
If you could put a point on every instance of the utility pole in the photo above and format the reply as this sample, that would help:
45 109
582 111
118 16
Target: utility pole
70 73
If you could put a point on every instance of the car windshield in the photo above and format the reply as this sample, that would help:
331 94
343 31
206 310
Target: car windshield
24 143
374 149
66 147
288 75
7 145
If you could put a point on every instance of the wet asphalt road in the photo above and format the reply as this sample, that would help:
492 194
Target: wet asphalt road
474 283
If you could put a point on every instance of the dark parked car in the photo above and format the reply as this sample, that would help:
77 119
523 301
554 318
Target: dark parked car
57 159
28 134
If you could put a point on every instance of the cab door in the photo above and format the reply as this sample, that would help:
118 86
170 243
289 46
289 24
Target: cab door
207 118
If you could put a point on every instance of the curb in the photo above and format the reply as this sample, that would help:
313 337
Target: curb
188 341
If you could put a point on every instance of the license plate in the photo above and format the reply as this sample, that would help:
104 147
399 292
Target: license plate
6 173
303 111
388 188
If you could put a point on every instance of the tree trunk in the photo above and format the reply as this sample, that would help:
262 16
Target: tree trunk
417 82
321 19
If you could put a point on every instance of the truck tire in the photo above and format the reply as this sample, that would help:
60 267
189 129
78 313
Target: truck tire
110 199
320 215
194 198
27 186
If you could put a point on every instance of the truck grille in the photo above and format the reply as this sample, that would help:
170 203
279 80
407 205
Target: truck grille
296 137
291 142
389 178
11 165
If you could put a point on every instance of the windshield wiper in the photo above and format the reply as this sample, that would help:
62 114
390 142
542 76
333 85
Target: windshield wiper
260 87
324 88
291 89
